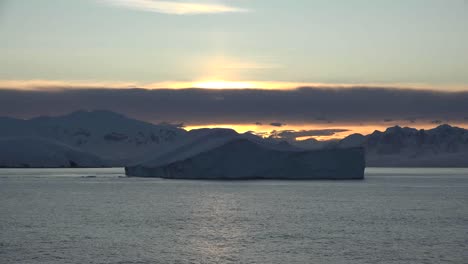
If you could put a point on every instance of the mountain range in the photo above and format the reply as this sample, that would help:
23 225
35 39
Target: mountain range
112 137
103 138
443 146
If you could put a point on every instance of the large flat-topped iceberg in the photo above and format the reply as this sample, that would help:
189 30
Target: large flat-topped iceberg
241 159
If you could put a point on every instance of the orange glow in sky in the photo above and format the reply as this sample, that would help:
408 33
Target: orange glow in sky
204 83
266 129
224 85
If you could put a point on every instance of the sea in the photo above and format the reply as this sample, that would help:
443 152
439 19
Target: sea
395 215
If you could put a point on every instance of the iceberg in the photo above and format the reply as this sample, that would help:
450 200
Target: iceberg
244 159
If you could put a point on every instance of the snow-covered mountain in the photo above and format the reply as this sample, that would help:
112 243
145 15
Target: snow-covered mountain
111 139
201 140
443 146
114 138
106 134
25 152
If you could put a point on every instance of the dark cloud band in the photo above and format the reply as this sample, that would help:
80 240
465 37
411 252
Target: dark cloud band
202 106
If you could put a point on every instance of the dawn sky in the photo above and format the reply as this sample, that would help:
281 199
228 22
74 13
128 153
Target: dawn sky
301 41
345 51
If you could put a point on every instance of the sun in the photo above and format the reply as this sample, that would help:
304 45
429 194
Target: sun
219 84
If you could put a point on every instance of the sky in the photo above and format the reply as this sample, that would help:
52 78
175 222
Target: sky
262 49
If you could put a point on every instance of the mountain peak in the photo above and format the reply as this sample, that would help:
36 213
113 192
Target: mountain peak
447 129
444 127
399 129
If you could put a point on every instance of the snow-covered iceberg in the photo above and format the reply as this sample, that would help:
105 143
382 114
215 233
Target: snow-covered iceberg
237 158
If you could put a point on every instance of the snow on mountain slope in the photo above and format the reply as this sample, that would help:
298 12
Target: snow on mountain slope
353 140
103 133
200 140
118 139
39 152
443 146
124 141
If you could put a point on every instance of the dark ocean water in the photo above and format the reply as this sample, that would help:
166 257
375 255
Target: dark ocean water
393 216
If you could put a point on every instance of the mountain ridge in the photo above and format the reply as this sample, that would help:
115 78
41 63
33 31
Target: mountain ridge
442 146
107 134
119 140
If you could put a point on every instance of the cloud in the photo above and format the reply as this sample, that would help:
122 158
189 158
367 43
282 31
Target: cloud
277 124
411 120
177 125
292 134
202 106
175 7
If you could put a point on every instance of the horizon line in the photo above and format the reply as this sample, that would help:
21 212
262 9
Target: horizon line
58 85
